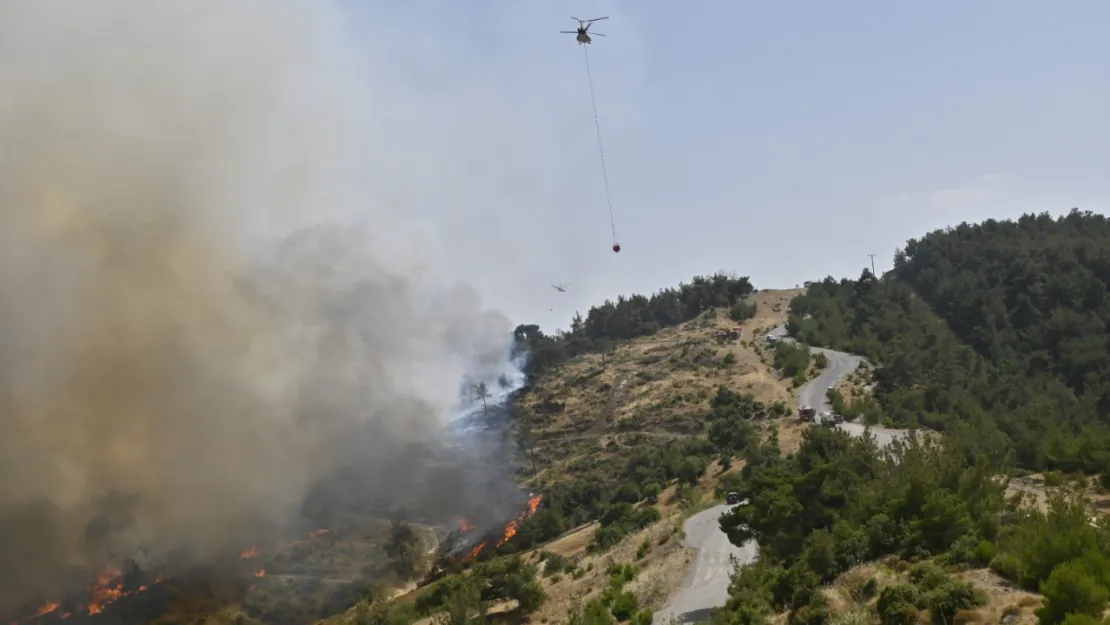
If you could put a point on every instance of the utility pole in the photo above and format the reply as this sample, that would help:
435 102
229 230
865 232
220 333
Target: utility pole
872 264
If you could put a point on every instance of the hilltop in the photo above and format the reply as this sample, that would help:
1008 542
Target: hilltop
592 410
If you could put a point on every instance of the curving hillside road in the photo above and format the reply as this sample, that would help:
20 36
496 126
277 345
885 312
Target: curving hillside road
813 393
706 585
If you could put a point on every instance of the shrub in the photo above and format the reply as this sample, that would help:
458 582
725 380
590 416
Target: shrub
1071 589
951 596
896 605
741 311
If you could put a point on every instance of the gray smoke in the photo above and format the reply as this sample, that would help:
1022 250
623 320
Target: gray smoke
204 309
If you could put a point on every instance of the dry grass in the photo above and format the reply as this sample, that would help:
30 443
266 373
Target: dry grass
1003 599
652 389
660 570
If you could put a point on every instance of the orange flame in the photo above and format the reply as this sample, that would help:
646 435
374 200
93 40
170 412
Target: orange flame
250 553
475 551
315 533
47 608
510 529
465 525
108 589
260 573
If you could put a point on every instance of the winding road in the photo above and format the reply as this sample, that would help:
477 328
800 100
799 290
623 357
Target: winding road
706 585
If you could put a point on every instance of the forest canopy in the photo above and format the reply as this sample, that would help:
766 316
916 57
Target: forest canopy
1001 323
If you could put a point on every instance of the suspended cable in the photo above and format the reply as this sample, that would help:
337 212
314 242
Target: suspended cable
601 152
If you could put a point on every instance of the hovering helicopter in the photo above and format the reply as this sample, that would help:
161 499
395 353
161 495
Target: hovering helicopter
583 30
562 288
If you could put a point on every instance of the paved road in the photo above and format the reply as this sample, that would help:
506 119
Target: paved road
706 585
841 365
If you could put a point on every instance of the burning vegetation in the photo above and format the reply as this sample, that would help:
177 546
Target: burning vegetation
114 585
466 541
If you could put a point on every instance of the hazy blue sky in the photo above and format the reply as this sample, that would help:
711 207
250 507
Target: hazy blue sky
781 140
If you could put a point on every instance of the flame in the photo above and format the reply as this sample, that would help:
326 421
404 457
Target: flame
315 533
260 573
250 553
465 525
475 551
107 589
510 529
47 608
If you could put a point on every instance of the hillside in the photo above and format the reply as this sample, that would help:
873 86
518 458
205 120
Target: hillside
628 434
598 408
650 408
656 419
1001 324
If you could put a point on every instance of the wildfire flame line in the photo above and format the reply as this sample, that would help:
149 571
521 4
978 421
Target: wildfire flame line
511 528
109 587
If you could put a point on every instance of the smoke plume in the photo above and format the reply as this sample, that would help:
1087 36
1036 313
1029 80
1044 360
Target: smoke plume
204 308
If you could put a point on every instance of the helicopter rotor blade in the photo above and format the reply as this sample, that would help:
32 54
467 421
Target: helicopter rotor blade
598 19
598 35
576 19
569 32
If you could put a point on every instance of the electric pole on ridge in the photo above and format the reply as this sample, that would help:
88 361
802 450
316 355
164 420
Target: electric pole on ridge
872 264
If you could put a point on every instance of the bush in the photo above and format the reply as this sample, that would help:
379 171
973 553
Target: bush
792 360
1071 589
950 597
595 613
864 590
555 564
814 612
741 311
927 576
628 493
896 605
530 596
1081 619
624 606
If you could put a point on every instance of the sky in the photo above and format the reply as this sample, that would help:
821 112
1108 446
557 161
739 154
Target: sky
784 141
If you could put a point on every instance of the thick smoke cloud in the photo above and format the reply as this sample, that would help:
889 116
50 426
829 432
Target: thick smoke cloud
204 309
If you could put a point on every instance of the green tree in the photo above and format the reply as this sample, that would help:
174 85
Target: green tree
465 605
1071 589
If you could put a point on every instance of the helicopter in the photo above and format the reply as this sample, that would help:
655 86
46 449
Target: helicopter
562 288
583 28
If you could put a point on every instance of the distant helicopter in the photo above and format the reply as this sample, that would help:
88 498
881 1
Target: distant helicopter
583 28
561 287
